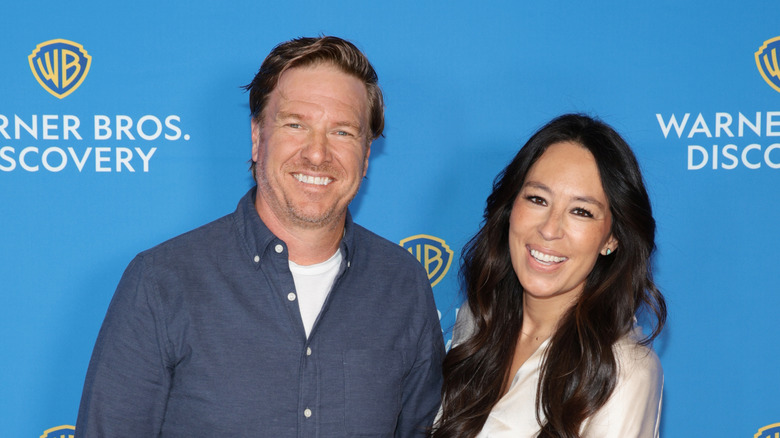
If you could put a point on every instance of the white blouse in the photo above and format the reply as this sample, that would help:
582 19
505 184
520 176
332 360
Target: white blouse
633 409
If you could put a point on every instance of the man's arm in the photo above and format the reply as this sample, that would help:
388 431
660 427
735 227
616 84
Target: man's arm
126 388
422 386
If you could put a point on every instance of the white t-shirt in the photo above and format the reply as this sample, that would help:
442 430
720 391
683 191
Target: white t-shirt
633 409
313 284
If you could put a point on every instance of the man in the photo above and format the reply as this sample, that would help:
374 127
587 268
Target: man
284 318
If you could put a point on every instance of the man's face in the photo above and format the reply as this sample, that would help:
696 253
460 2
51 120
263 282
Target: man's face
311 147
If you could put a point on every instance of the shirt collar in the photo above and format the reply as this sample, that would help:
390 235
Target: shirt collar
256 237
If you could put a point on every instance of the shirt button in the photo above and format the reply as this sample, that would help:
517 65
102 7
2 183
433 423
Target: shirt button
307 413
257 259
278 248
308 351
348 264
291 296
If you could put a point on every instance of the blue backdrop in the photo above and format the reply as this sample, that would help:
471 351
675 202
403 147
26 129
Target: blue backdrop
144 134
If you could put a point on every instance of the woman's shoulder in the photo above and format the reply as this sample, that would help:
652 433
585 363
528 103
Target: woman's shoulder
637 361
634 408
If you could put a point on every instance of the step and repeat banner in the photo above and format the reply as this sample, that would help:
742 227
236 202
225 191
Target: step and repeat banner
123 124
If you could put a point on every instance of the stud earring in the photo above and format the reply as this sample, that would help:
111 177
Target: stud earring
609 251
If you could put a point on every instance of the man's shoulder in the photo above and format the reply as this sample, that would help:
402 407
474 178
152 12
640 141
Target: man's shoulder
201 239
371 242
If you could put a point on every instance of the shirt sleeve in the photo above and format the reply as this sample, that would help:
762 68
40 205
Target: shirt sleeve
464 325
127 382
422 386
634 409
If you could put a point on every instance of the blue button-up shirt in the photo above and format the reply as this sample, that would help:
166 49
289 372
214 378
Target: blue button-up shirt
204 338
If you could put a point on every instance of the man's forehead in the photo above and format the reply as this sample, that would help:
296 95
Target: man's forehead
300 94
322 70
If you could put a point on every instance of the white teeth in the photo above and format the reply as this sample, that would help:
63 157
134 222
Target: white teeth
546 258
316 180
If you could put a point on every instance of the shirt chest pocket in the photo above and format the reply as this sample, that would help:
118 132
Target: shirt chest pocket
373 382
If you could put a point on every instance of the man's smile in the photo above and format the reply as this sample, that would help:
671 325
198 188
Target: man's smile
316 180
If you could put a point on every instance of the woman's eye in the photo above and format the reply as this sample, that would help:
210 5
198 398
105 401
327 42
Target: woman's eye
582 212
536 200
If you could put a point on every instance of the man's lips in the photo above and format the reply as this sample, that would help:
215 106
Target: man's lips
309 179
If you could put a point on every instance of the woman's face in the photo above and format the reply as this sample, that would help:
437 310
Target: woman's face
560 222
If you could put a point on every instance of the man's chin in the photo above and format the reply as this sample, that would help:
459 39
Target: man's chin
313 219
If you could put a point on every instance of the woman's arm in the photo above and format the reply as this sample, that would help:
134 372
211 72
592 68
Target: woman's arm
634 409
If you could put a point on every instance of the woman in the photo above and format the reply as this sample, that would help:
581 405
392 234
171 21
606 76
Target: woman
547 345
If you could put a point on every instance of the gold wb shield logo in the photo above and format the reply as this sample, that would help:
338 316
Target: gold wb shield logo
432 252
766 60
60 66
771 431
64 431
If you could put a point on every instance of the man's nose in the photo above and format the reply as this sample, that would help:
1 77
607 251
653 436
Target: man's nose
317 149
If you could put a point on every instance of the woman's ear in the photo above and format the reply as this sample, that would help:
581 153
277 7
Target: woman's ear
610 246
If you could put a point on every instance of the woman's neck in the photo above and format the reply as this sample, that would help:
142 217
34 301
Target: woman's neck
542 315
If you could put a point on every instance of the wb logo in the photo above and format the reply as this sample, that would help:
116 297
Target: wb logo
60 66
59 432
771 431
432 252
766 60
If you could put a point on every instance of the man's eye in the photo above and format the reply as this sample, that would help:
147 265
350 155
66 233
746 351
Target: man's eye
294 125
343 133
582 212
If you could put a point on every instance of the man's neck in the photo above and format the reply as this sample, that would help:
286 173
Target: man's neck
306 245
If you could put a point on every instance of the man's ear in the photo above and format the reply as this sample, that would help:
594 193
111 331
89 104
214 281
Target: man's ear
365 162
255 139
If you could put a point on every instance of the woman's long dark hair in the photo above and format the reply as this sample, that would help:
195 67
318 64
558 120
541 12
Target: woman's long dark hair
579 371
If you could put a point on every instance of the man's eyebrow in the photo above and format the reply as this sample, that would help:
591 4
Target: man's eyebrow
349 124
288 115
